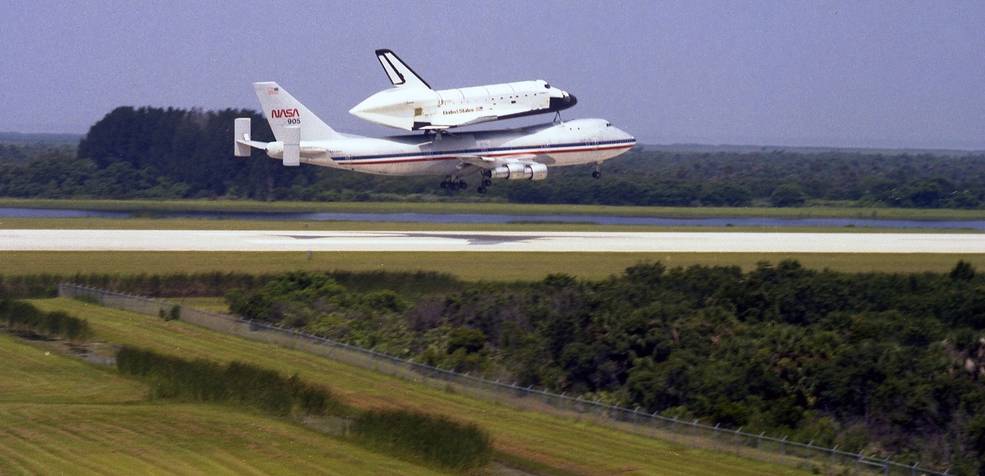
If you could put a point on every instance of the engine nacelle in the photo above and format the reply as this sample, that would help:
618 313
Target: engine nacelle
538 171
520 171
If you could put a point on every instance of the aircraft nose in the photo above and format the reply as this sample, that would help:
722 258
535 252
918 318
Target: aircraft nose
565 101
360 108
627 136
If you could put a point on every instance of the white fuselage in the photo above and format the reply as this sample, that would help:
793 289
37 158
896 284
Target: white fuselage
415 108
580 141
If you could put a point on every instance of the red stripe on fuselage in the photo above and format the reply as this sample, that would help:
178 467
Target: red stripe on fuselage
503 154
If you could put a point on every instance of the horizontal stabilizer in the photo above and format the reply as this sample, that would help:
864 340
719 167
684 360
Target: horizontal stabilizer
292 146
251 143
241 137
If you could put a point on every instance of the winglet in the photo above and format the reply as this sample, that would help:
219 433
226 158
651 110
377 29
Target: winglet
401 75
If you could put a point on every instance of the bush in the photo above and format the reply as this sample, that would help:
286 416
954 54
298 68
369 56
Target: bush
434 439
218 283
787 195
236 382
57 324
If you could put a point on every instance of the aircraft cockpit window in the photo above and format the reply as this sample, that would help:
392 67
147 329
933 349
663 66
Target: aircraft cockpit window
608 124
547 86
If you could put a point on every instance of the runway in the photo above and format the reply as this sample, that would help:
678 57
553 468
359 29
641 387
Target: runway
353 241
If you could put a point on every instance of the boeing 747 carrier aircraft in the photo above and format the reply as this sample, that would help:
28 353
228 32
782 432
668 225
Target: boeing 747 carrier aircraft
513 154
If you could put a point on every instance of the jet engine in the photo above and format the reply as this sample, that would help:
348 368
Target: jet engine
520 171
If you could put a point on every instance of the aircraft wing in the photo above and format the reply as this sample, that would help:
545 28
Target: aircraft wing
252 143
485 162
459 120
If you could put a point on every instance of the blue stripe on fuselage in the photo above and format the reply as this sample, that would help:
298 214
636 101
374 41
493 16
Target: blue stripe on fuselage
482 151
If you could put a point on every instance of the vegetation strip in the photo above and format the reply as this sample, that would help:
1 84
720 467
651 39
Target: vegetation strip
439 207
22 316
572 446
235 382
503 266
61 415
433 438
308 225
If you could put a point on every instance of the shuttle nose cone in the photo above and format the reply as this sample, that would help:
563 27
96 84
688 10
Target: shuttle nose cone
360 109
563 102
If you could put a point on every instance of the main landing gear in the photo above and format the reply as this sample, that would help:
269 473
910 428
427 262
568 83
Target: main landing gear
454 183
486 181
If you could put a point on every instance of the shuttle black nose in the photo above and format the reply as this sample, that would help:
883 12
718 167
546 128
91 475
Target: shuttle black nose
564 102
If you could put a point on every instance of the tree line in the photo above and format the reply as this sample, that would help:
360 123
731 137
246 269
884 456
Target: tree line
179 153
892 364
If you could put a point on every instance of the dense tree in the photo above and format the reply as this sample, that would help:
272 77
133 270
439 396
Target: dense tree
885 363
178 153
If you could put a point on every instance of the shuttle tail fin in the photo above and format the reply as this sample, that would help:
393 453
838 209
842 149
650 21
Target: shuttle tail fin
399 73
283 112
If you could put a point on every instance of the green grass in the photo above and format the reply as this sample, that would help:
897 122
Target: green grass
59 415
150 206
471 266
211 304
546 440
37 375
214 224
176 438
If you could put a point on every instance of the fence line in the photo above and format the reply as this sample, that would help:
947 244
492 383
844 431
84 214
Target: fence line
757 446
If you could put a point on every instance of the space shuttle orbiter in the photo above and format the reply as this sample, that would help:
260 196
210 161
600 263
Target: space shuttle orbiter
411 104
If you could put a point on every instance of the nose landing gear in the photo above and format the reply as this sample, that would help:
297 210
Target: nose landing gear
597 173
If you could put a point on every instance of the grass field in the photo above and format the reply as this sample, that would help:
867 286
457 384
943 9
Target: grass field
211 304
549 441
472 266
223 224
61 416
150 206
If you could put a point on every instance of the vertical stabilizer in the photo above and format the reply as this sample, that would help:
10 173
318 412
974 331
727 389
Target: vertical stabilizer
398 72
283 111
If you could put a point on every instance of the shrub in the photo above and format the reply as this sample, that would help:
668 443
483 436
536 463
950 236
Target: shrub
236 382
434 439
57 324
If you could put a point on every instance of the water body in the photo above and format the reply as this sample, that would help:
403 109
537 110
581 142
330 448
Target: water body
506 218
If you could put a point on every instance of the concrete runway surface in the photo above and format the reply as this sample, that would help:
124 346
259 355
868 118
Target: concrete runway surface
252 240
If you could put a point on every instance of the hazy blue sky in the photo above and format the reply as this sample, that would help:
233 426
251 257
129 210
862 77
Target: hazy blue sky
896 74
